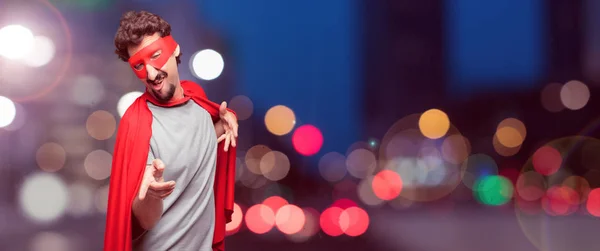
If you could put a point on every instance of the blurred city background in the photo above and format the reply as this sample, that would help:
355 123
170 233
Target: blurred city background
433 125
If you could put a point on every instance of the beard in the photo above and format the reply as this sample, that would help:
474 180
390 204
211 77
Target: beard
168 90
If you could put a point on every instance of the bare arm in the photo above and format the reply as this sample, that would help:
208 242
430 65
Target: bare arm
148 205
147 211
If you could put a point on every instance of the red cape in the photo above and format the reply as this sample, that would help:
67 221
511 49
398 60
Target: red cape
129 161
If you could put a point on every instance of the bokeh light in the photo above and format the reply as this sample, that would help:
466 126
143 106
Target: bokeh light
49 241
574 95
531 186
101 199
81 199
330 221
547 160
387 185
16 41
254 156
8 111
260 219
361 163
19 119
456 149
43 197
550 97
310 228
98 164
332 166
354 221
242 106
207 64
88 91
280 120
236 220
101 125
42 52
289 219
274 165
126 100
307 140
593 202
434 123
511 132
51 157
493 190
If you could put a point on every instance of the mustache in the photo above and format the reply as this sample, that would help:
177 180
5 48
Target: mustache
159 77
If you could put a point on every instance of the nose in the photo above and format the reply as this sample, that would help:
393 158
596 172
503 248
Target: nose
152 72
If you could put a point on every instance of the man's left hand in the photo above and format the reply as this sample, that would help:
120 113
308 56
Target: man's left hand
230 126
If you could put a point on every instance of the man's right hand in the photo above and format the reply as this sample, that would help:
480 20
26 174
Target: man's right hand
153 184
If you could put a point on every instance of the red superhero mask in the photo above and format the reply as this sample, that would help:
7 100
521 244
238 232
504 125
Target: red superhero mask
139 60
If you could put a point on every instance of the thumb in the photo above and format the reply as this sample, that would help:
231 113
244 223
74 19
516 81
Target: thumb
223 108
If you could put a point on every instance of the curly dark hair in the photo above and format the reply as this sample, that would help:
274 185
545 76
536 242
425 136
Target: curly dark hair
134 26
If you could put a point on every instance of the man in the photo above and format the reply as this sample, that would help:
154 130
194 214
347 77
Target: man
172 178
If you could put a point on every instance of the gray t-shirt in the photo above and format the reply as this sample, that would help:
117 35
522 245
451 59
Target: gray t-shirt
184 138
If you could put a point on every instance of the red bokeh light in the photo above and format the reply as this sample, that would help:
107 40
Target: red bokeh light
344 203
560 200
547 160
387 185
593 202
260 219
275 202
330 221
290 219
236 220
307 140
354 221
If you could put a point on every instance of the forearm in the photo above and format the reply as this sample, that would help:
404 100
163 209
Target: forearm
148 211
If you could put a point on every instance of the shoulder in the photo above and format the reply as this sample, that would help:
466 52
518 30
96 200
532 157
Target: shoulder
193 88
131 115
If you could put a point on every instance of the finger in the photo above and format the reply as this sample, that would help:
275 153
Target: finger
227 142
161 186
233 141
160 167
164 195
235 130
221 138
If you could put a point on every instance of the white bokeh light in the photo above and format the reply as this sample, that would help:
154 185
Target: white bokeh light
81 200
42 53
49 241
126 101
207 64
7 111
87 90
43 197
16 41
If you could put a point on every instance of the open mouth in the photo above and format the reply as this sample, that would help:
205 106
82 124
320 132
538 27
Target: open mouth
158 86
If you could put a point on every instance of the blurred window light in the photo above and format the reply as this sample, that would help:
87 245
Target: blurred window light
43 197
42 52
16 41
8 111
207 64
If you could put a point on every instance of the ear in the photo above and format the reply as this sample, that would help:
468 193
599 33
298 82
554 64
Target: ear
177 51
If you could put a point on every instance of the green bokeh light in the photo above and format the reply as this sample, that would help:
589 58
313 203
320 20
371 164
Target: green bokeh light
493 190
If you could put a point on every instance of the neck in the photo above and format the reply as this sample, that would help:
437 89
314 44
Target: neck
178 93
